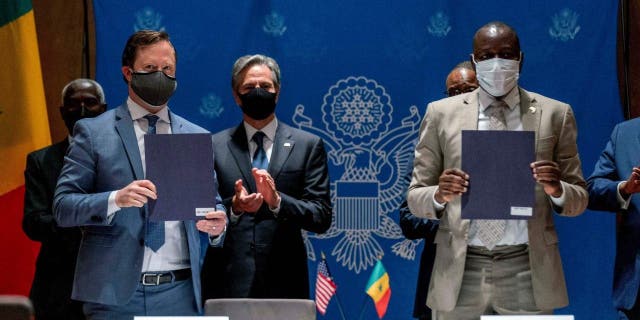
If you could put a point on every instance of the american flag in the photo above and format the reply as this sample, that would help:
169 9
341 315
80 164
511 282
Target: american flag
325 287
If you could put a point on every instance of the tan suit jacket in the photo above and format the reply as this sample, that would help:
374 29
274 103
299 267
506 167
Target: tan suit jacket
439 148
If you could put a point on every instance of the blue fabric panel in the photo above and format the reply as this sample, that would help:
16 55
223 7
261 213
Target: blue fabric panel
359 74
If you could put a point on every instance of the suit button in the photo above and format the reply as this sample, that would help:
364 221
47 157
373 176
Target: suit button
96 218
141 242
252 245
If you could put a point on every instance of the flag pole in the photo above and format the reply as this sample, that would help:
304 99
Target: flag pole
365 298
364 304
336 293
340 307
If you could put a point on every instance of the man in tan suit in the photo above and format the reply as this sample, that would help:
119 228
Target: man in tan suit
518 270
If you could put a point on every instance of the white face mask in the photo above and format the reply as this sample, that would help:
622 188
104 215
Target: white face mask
497 76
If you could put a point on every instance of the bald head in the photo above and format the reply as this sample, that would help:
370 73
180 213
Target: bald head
81 98
496 40
83 84
461 79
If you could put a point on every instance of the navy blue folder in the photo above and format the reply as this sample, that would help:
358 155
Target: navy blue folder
181 167
501 185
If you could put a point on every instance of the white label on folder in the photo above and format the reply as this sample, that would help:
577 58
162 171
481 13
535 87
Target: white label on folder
522 211
201 212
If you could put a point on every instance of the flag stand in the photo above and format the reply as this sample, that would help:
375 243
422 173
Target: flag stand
364 305
340 306
335 292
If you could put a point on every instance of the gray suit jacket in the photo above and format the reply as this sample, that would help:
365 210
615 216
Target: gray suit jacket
104 157
439 148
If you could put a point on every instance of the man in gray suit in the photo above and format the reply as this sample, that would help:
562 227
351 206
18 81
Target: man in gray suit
128 265
519 270
274 182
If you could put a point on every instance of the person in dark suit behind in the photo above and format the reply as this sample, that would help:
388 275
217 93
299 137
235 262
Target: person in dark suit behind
128 265
526 275
51 287
273 190
613 186
461 79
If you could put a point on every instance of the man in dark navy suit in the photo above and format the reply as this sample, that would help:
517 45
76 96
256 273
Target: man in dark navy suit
274 183
51 287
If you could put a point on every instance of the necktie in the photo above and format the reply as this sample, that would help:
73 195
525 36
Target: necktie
260 156
154 238
491 231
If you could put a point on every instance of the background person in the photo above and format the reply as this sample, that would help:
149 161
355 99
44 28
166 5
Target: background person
53 279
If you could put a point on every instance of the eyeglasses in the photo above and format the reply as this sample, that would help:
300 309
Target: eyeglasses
454 91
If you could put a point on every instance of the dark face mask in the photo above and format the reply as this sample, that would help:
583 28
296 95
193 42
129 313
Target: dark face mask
155 88
71 117
258 103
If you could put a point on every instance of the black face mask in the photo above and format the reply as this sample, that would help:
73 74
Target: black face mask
71 117
258 103
155 88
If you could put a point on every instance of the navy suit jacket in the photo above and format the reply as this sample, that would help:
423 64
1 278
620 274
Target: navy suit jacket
264 256
615 164
51 288
413 228
102 158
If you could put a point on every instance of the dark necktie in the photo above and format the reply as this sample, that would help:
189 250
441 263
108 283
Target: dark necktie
260 156
154 238
491 232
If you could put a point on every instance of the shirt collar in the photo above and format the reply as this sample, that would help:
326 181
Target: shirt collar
269 130
138 112
512 99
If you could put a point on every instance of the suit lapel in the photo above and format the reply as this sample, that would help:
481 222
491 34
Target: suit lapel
176 124
470 120
282 146
239 149
529 113
124 127
60 150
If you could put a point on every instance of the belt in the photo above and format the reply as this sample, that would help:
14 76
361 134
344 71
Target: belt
157 278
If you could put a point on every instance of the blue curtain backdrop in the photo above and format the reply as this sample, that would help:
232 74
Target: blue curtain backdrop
359 74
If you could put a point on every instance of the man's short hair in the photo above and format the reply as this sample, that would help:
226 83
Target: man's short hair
464 65
249 61
140 39
99 90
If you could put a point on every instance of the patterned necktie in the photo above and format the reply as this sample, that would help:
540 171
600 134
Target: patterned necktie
154 238
491 231
260 156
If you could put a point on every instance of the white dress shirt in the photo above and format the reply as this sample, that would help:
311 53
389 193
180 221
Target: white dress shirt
267 143
174 253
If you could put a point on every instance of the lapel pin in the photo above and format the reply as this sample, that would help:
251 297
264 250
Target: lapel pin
532 109
287 144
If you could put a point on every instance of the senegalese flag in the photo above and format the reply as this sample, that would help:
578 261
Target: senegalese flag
24 127
378 288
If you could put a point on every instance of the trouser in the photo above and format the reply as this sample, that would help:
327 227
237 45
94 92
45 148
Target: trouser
495 281
174 298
